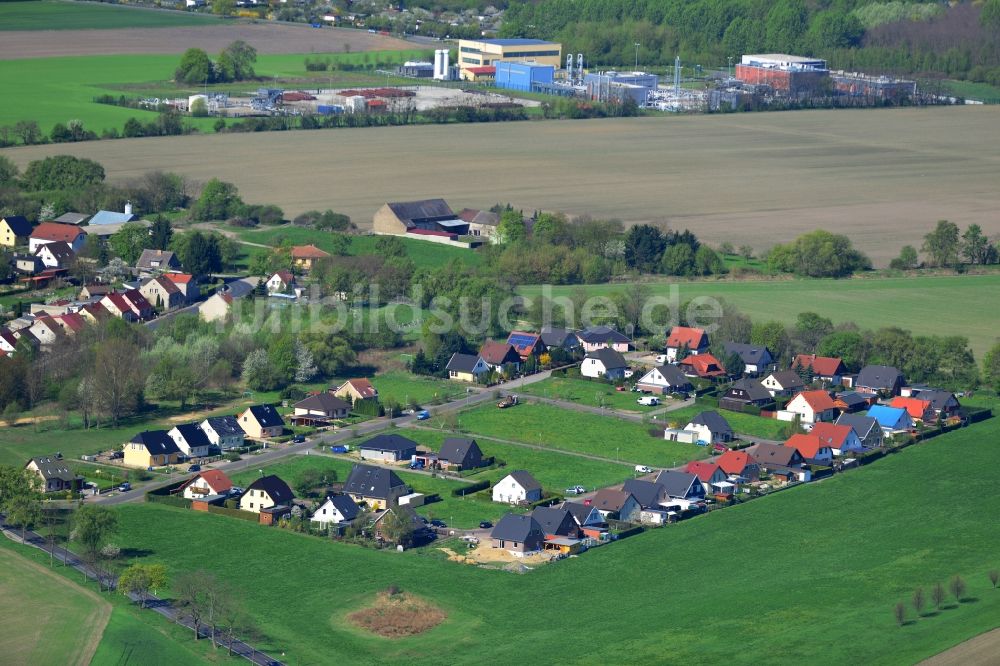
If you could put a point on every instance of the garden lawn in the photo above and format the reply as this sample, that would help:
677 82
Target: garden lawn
688 568
741 423
87 15
584 392
560 428
403 387
914 303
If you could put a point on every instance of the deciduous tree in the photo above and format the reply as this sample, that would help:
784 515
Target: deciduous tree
941 245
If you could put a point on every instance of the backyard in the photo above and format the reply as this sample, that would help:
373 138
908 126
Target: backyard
592 393
746 424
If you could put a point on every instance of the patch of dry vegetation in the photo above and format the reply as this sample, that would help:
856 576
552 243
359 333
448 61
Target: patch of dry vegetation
396 614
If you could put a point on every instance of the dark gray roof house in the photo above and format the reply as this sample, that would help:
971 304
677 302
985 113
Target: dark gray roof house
680 484
583 514
519 529
853 401
193 435
396 444
746 391
54 469
157 260
225 425
648 493
771 455
755 355
788 379
611 359
879 378
323 403
863 425
423 211
465 363
555 522
157 442
267 416
461 451
525 480
18 224
347 507
376 482
562 338
940 400
599 334
276 489
714 422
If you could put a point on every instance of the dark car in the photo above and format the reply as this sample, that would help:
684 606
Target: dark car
485 525
194 468
298 439
438 523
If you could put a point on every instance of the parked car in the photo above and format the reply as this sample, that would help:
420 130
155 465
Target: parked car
298 439
643 469
125 487
485 524
661 359
438 523
194 468
423 415
344 448
648 400
416 464
576 490
621 388
117 454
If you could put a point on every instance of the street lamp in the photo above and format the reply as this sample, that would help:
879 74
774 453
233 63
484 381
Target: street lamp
637 56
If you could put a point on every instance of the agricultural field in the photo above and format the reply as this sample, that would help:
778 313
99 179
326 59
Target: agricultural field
562 429
891 554
45 29
914 303
882 177
46 620
592 394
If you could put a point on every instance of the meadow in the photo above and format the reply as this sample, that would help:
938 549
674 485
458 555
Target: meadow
765 574
743 424
919 304
563 429
55 15
882 177
584 392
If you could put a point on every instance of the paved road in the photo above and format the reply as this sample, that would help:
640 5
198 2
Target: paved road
153 602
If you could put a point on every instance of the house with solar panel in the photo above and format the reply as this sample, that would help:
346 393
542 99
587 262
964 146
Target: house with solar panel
526 344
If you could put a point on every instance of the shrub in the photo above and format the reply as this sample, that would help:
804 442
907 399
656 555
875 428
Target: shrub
471 488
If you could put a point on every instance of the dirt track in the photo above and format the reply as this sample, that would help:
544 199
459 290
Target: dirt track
265 37
983 650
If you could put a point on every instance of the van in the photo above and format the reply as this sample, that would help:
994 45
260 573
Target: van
642 469
648 400
661 359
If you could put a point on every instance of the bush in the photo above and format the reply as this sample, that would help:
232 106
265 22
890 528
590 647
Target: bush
471 488
170 500
232 456
234 513
293 393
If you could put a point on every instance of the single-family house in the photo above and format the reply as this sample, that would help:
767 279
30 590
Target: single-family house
467 367
745 395
881 379
918 408
703 365
336 510
739 463
261 422
649 495
559 338
354 390
304 256
216 307
585 515
8 343
27 263
517 487
186 284
813 406
377 487
841 439
812 449
891 419
162 293
319 409
617 505
207 483
461 453
867 429
601 337
223 431
827 369
518 534
685 340
71 323
14 230
404 515
604 363
681 485
92 292
265 493
944 404
51 232
56 255
191 440
482 223
711 427
497 355
783 382
157 261
94 313
756 358
280 282
556 522
46 330
665 379
852 401
151 448
711 476
388 448
138 304
54 475
781 460
526 344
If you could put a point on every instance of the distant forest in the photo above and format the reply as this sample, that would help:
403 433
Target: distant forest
928 39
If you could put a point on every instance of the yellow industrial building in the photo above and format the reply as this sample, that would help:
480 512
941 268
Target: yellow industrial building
477 53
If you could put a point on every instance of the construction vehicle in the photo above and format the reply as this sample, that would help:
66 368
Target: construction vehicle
508 401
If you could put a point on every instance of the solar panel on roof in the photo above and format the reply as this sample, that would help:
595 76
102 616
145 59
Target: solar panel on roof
521 340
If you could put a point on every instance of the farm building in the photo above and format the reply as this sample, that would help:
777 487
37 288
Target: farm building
430 217
484 52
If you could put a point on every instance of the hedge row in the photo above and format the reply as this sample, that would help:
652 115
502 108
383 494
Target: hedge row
170 500
234 513
471 488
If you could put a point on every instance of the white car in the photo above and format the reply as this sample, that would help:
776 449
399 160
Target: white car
643 469
661 359
648 400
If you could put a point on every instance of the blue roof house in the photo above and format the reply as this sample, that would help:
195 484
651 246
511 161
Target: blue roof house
891 419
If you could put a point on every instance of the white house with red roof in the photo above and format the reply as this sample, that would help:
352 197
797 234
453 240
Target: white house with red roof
52 232
739 463
811 448
356 389
841 439
828 369
187 285
162 293
713 478
209 482
117 305
280 282
812 407
71 322
216 308
693 340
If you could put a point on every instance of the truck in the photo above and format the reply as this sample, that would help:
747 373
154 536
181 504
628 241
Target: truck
508 401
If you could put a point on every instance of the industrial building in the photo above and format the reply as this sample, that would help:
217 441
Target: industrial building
789 74
523 76
485 52
606 86
876 87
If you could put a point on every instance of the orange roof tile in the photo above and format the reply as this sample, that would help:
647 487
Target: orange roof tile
808 446
681 336
735 462
915 407
819 400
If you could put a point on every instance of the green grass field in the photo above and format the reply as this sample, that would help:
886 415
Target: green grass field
79 16
746 424
423 253
708 576
558 428
60 89
919 304
584 392
403 387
